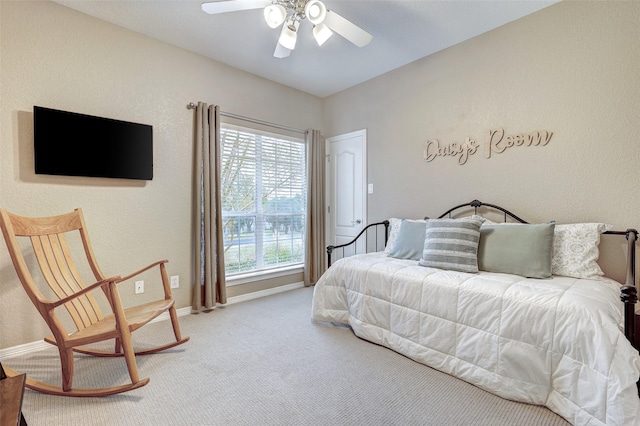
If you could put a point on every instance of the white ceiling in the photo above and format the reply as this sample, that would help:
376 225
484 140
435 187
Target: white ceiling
403 31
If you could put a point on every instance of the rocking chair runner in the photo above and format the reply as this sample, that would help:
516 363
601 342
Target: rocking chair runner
53 254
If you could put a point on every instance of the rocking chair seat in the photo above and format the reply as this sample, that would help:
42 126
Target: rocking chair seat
105 329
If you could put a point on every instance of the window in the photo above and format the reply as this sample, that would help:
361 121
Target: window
263 184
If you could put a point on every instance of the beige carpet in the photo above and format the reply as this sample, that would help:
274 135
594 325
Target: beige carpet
263 362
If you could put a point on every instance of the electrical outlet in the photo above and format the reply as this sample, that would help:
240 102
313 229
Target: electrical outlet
175 281
139 287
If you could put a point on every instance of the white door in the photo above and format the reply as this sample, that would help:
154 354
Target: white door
346 187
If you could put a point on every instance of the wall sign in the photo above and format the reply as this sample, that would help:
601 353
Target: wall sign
496 142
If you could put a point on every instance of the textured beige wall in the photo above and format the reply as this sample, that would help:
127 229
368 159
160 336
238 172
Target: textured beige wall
53 56
571 68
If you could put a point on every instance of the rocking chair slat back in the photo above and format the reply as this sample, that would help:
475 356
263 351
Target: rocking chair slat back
47 236
59 270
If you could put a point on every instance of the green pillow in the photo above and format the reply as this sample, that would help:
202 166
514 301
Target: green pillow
520 249
410 241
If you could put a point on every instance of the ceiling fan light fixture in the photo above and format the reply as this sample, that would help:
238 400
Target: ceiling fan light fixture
275 15
315 11
288 36
321 33
289 14
281 51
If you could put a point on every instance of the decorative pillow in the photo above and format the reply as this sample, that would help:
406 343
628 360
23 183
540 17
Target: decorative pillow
451 244
477 216
575 250
394 229
520 249
410 241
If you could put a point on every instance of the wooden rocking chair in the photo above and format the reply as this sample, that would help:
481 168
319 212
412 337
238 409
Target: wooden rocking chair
58 269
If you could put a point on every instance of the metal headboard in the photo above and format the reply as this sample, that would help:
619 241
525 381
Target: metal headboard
476 203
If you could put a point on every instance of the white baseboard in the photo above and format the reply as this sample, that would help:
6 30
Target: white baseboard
263 293
41 344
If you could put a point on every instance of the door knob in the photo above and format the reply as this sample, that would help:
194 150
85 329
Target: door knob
357 221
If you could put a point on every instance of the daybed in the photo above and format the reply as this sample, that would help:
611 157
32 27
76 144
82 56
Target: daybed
535 321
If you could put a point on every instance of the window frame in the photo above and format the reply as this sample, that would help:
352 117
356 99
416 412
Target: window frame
268 272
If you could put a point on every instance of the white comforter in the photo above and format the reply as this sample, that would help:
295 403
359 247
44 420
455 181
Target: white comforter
554 342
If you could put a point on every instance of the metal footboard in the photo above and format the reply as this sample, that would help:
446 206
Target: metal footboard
368 240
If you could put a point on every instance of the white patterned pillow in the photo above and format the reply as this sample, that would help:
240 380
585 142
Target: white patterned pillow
452 244
394 229
575 250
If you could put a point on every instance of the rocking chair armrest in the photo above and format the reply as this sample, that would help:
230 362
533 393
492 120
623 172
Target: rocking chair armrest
146 268
83 291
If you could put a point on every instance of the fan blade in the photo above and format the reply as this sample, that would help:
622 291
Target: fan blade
281 51
214 7
347 29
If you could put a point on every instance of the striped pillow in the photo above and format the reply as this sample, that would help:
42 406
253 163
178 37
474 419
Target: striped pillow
452 244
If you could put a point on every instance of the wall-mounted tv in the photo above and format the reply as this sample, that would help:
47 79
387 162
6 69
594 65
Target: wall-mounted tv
72 144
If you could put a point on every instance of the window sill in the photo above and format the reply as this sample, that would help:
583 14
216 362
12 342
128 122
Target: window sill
263 275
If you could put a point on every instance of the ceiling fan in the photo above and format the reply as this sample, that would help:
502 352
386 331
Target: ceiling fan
289 14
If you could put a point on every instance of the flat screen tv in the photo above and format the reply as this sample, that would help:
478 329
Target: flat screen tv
72 144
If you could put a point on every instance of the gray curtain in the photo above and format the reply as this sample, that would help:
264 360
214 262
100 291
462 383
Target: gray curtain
209 284
315 256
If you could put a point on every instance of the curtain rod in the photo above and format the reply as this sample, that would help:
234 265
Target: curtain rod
253 120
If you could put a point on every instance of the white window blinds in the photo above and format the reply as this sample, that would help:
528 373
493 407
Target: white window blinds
263 184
